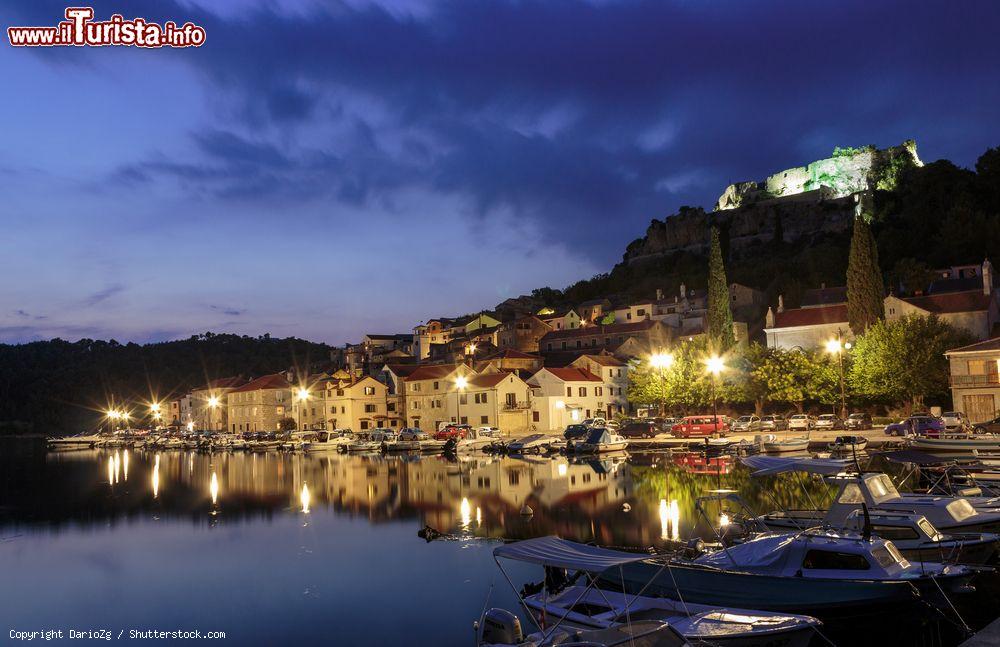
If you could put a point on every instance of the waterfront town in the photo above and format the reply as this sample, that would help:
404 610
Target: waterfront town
508 323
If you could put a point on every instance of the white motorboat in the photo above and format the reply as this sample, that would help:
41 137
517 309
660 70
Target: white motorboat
564 602
772 444
600 440
535 443
330 441
876 491
845 444
478 439
79 441
968 443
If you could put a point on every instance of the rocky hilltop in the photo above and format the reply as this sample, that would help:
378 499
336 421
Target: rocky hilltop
793 206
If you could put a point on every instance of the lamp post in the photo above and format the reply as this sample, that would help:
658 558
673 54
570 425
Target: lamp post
714 366
835 347
460 384
662 361
213 404
301 395
154 411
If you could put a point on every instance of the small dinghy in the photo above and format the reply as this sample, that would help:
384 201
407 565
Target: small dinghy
844 444
771 444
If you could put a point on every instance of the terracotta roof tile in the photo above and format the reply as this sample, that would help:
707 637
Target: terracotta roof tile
989 344
610 329
972 301
811 316
570 374
274 381
431 372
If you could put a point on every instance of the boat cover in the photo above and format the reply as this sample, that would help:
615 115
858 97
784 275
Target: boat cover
560 553
915 457
599 436
769 465
764 555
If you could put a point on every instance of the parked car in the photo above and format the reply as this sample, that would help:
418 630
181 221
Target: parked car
595 422
829 421
412 433
801 422
916 425
701 426
955 420
646 429
576 431
746 424
988 427
453 431
666 424
773 422
858 421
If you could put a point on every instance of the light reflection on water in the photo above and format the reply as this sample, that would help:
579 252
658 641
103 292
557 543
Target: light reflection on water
285 548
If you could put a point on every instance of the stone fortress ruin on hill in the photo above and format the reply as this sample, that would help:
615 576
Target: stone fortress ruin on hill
803 202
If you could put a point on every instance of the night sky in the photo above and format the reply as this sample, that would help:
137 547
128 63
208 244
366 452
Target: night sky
326 169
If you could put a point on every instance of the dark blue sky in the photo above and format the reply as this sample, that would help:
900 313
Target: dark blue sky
325 169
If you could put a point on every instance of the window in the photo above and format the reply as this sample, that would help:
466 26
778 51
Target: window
414 404
894 532
437 386
369 390
564 345
416 387
484 420
364 424
534 416
641 312
369 408
390 406
583 392
579 344
511 399
598 390
463 398
480 398
569 392
828 560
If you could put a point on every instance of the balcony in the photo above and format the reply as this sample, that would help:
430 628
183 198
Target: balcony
516 406
971 381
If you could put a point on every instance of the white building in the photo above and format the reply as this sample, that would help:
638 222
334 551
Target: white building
563 396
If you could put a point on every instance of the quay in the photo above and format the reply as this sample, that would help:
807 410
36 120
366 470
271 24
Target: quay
818 440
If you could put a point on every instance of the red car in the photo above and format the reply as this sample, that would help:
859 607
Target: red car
701 426
453 431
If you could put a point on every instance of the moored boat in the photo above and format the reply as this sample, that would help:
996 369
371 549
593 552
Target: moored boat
848 444
772 444
957 443
599 440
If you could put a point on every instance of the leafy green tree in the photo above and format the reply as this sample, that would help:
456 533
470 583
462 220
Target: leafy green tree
793 376
902 361
864 279
720 314
909 276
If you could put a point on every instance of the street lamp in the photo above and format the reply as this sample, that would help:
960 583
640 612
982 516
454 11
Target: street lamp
714 365
301 395
460 385
662 361
835 347
213 403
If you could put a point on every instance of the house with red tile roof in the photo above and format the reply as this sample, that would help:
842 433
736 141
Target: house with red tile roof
207 408
976 311
609 337
806 328
614 373
563 396
259 405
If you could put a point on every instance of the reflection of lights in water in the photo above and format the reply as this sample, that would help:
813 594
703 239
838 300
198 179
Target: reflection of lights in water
562 469
670 518
723 520
304 498
111 470
125 464
214 488
118 466
466 511
479 516
156 477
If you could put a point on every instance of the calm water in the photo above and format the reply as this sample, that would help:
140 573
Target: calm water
273 548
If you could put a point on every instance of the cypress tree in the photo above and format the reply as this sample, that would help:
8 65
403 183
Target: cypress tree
864 278
720 315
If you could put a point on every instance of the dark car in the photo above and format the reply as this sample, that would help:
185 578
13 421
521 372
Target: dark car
575 432
639 430
987 427
916 425
859 421
453 431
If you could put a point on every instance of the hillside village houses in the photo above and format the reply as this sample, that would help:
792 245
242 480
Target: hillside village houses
975 379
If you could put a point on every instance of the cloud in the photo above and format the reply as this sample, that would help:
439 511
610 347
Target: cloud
232 312
103 295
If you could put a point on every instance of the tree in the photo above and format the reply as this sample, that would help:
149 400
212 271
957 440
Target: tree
864 279
902 361
720 315
287 424
792 376
909 276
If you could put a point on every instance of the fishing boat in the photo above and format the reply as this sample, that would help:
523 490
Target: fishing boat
600 440
967 443
572 595
843 444
534 443
772 444
822 572
876 491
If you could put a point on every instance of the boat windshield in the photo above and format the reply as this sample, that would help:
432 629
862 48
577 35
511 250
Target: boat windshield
881 488
929 528
961 509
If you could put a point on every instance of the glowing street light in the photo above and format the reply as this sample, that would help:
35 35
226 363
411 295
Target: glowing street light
662 361
835 347
461 383
301 395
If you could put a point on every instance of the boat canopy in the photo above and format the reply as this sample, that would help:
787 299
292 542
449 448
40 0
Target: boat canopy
599 436
766 553
770 465
560 553
915 457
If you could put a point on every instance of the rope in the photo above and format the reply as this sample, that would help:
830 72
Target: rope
952 606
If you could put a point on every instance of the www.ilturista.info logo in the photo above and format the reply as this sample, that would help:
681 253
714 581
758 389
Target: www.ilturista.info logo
80 29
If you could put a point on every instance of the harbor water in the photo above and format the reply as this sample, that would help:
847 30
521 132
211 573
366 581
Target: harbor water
332 549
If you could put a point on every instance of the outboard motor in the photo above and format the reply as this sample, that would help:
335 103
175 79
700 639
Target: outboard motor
499 627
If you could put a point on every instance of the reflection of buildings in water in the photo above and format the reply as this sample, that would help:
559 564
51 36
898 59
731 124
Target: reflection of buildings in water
701 464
